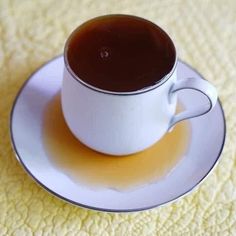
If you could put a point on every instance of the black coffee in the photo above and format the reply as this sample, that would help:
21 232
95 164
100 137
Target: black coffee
120 53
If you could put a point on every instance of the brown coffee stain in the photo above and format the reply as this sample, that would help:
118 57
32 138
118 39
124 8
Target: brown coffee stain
95 169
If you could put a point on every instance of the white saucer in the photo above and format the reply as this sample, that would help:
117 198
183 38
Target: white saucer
207 141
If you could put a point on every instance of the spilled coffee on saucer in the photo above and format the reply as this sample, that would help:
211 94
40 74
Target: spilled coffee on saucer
120 53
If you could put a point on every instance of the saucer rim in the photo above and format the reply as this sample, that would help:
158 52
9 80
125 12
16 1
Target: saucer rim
20 160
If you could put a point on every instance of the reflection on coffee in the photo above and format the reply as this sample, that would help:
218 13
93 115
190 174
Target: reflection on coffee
120 53
94 169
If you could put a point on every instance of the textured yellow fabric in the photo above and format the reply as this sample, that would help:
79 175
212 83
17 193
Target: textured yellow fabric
32 32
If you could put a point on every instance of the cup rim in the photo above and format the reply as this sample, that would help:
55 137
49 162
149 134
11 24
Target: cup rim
140 91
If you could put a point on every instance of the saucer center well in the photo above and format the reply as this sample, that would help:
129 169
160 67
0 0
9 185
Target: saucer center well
94 169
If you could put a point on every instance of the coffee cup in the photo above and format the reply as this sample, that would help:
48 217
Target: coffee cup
119 91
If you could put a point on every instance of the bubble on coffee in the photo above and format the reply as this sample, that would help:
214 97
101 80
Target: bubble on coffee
105 53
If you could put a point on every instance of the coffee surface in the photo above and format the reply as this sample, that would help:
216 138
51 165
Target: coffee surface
120 53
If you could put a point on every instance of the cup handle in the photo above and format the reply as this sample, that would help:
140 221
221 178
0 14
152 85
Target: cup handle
200 85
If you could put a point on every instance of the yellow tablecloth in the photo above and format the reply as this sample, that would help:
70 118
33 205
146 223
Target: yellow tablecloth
32 32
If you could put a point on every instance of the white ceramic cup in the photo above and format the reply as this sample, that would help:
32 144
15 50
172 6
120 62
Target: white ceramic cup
122 123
